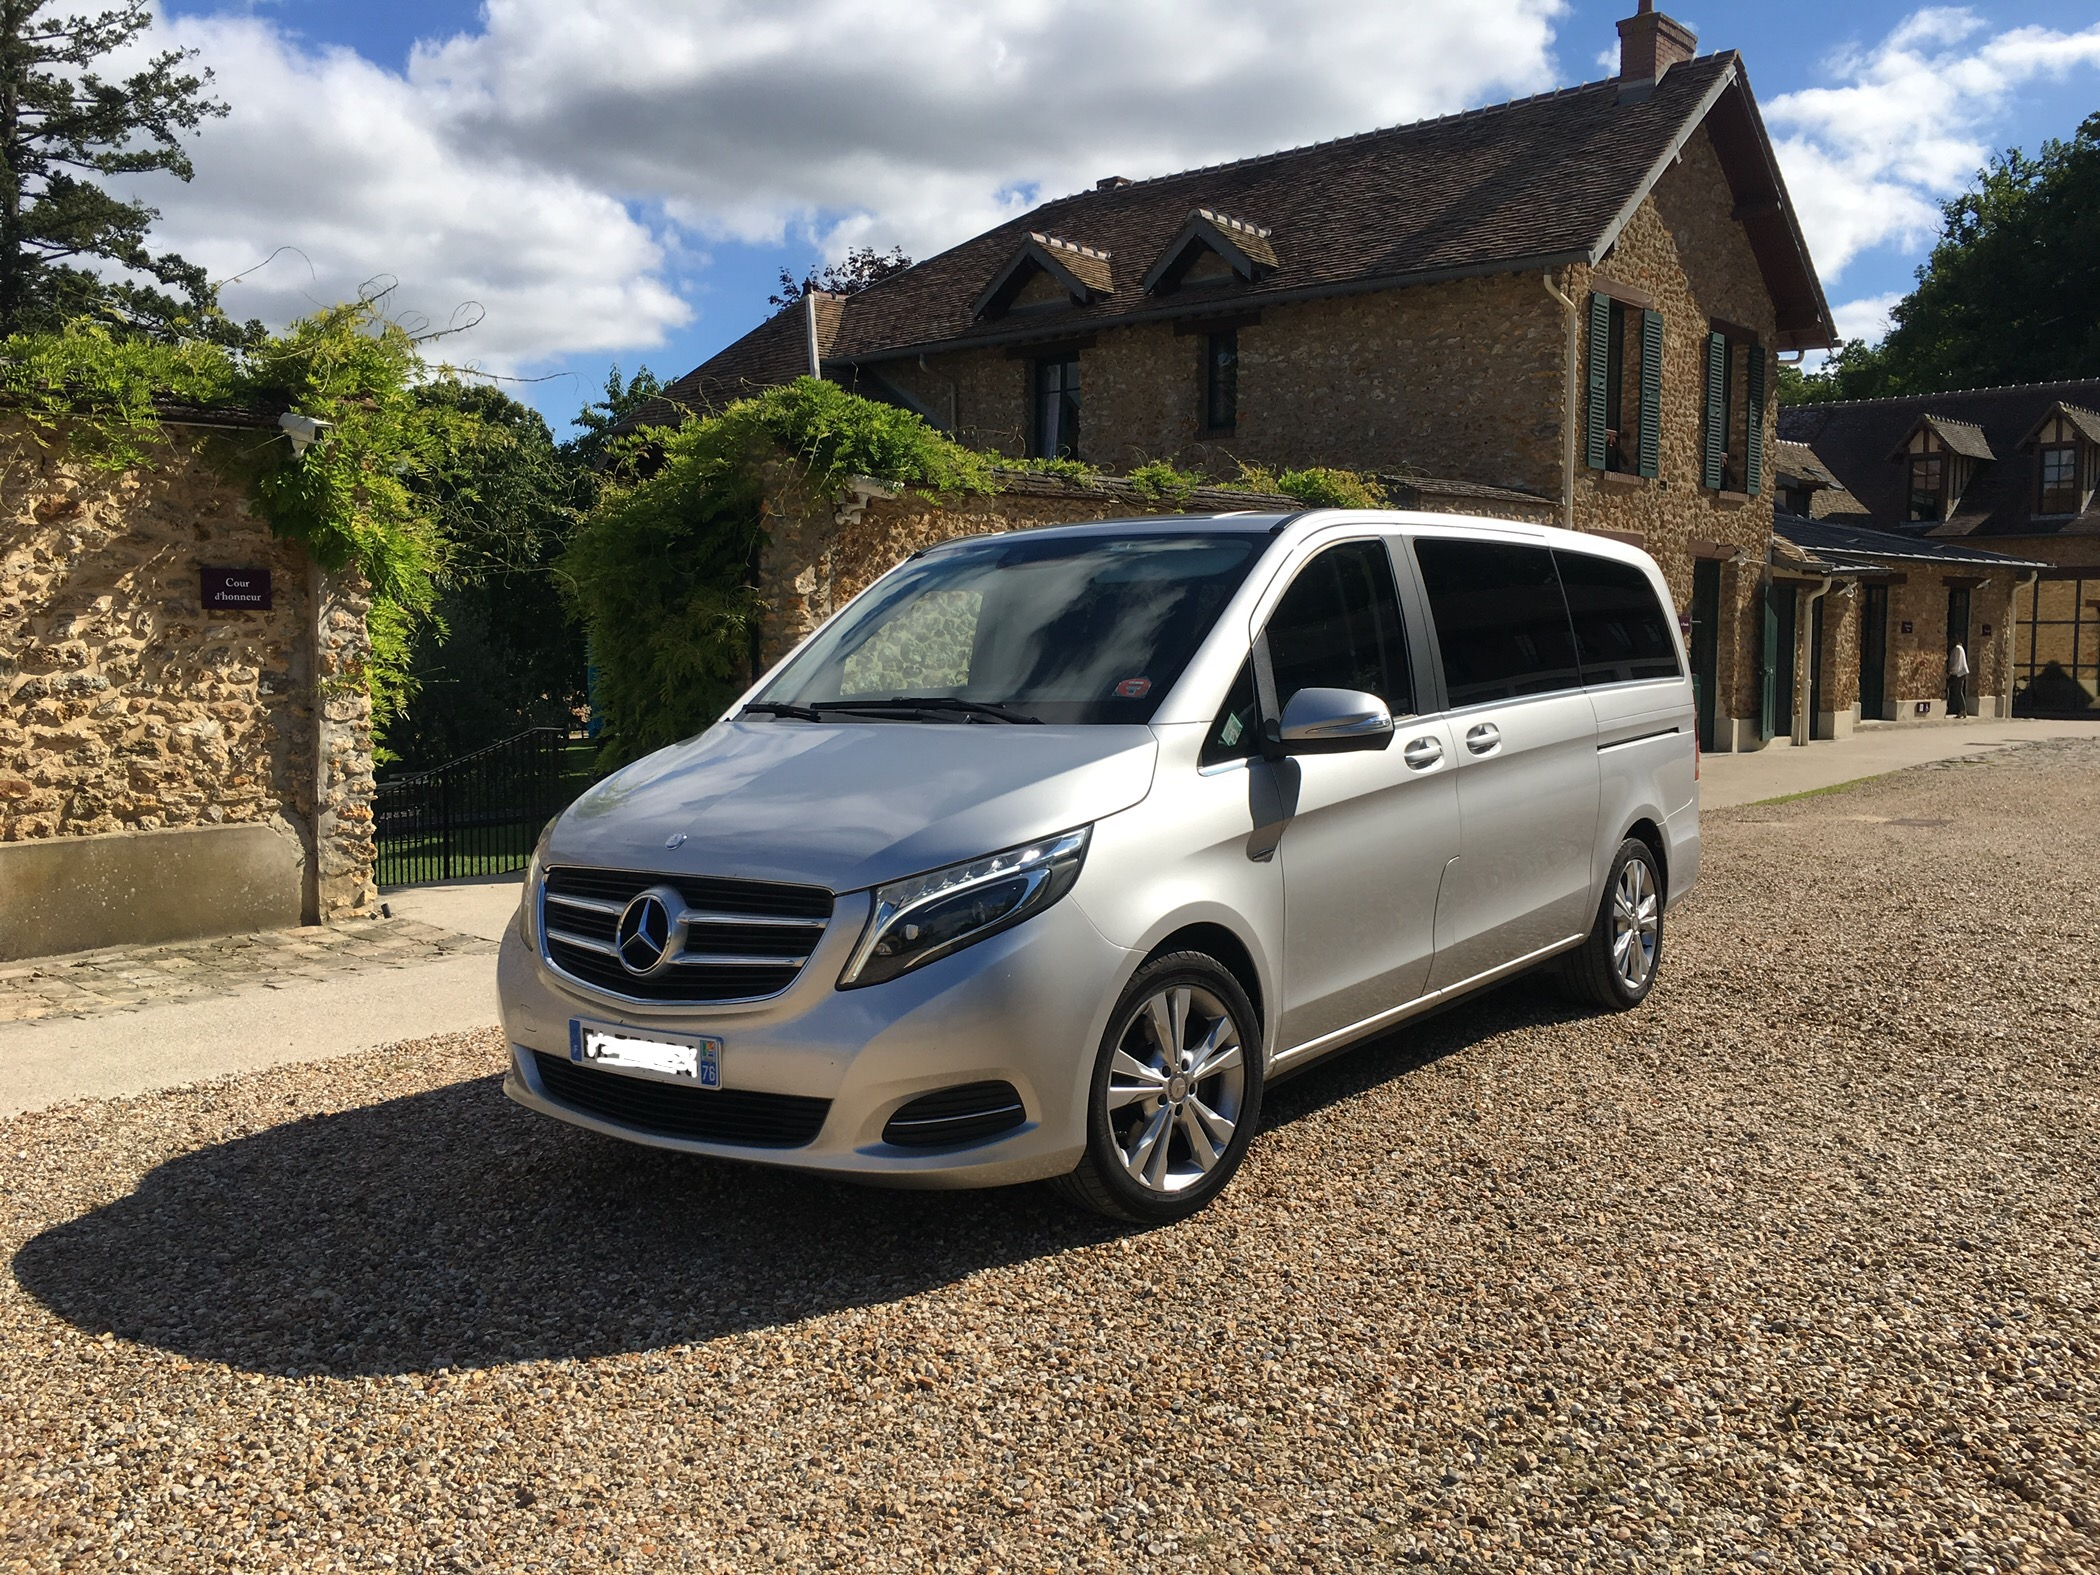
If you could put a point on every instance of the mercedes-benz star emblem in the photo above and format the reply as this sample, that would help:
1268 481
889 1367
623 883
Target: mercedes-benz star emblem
643 938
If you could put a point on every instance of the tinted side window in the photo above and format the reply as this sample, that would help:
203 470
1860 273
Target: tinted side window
1622 632
1501 623
1338 627
1235 731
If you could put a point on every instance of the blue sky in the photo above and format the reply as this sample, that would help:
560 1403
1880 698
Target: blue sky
621 180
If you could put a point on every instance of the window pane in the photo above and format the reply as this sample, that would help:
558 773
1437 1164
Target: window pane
2059 480
1501 622
1338 627
1925 487
1622 632
1221 382
1234 732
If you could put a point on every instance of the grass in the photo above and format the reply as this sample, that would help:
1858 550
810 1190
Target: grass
1835 787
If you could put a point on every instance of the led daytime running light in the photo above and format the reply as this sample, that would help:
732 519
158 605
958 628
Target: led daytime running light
897 901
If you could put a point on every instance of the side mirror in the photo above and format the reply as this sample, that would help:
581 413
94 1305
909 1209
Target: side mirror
1333 721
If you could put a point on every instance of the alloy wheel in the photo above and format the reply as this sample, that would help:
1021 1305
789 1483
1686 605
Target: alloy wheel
1636 924
1176 1088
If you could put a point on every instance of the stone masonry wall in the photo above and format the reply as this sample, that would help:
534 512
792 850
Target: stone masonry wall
1457 379
125 706
1684 248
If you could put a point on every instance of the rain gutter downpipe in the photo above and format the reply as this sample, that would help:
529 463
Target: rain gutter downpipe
1804 721
1567 426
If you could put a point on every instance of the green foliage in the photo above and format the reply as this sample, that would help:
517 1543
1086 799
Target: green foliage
63 126
662 570
1317 486
1063 466
354 499
2011 294
1158 481
597 422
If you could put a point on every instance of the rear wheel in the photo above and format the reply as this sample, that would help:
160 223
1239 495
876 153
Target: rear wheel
1176 1094
1615 966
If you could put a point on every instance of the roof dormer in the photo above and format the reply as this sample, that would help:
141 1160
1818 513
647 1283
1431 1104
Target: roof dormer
1046 272
1942 455
2066 448
1212 248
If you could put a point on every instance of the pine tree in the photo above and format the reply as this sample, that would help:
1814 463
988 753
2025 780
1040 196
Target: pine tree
63 129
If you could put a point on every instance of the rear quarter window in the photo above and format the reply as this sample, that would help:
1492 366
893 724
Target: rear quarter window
1622 630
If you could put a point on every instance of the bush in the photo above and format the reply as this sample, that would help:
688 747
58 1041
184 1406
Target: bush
663 569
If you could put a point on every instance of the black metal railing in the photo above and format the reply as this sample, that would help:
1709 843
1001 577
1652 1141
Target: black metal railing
479 814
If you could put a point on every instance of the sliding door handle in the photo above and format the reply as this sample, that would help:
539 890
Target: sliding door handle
1483 738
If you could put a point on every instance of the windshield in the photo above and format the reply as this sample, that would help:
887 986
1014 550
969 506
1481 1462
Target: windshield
1088 629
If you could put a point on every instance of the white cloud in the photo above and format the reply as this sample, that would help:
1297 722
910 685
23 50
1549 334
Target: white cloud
1866 318
513 165
1871 161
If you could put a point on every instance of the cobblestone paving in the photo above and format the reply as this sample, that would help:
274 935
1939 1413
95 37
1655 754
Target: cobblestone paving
126 978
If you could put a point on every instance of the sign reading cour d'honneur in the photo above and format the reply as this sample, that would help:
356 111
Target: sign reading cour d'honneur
236 590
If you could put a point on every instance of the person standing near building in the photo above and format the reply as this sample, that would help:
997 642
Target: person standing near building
1957 680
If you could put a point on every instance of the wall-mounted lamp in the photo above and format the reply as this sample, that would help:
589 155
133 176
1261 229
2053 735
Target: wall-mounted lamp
304 431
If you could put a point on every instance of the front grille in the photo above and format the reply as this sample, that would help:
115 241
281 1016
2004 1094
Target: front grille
745 939
717 1115
964 1114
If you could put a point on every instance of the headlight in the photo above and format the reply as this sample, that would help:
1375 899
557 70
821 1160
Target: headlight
931 915
529 899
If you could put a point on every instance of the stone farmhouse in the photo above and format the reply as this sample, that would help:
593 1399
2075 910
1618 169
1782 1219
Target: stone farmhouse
2009 471
1563 308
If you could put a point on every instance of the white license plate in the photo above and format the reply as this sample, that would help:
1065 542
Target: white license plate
697 1059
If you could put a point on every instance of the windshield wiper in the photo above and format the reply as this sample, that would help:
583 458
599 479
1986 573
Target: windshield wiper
801 713
968 708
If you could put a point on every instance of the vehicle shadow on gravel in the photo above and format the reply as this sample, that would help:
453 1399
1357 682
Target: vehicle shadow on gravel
453 1229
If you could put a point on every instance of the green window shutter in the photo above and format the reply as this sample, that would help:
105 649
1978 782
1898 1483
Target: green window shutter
1651 392
1600 377
1716 447
1754 430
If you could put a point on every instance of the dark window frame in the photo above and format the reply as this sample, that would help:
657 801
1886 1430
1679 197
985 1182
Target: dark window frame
1917 495
1221 381
1054 377
1636 635
2067 490
1400 688
1548 670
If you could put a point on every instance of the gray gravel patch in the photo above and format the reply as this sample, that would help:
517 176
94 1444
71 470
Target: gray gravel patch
1797 1268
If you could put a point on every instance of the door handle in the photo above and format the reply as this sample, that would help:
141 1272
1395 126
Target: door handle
1483 738
1421 753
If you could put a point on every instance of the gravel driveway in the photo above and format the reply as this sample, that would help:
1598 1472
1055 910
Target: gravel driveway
1796 1268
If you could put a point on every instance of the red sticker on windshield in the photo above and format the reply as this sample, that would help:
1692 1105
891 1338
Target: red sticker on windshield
1134 688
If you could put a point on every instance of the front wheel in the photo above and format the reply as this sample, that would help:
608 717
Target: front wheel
1176 1094
1615 966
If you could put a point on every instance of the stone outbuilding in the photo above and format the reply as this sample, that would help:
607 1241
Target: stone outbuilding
1866 620
1574 302
185 738
2012 471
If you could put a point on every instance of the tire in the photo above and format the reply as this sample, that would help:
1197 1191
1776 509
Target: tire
1132 1094
1598 973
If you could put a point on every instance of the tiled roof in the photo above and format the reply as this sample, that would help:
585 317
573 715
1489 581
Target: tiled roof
1798 461
1854 546
1964 437
1537 182
775 352
1857 438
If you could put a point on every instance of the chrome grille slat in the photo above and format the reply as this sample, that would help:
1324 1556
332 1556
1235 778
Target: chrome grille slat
744 940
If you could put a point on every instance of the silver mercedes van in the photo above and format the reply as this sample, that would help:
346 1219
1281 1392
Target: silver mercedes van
1050 851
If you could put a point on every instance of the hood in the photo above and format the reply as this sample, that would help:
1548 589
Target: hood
851 804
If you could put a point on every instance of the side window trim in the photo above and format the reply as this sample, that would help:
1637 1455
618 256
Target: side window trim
1411 612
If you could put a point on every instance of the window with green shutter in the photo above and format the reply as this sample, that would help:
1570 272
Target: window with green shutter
1651 393
1597 446
1754 424
1714 455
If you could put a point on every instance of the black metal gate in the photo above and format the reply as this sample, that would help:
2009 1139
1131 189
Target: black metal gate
477 815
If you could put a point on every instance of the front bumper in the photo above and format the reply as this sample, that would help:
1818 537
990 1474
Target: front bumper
1027 1007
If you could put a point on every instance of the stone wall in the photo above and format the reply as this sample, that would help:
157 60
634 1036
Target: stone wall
127 708
821 552
1684 248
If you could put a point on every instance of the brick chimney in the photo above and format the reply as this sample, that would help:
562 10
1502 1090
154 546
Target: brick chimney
1649 44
